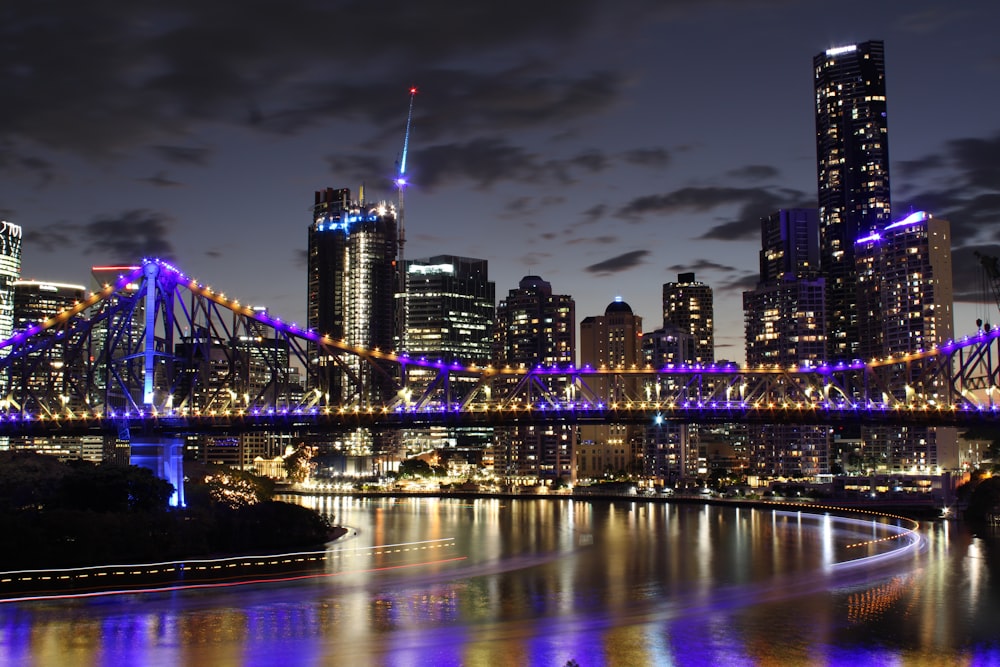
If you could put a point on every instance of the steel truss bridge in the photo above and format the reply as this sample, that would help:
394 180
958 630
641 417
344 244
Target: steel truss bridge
157 352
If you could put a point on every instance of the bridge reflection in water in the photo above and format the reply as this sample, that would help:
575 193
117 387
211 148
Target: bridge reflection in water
545 581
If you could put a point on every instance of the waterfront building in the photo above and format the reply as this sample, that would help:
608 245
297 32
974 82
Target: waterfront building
906 272
784 326
612 340
535 326
852 160
689 304
673 454
451 308
352 284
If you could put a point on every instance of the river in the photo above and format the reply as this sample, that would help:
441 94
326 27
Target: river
493 582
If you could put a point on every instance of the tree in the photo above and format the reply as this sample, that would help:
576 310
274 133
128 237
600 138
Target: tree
415 468
298 464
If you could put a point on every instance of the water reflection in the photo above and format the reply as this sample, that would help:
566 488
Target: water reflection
542 581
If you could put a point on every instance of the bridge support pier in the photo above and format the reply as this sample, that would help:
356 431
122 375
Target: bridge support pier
164 455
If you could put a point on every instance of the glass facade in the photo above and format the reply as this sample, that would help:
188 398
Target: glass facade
10 272
852 157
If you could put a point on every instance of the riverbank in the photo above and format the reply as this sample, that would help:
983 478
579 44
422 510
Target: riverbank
918 510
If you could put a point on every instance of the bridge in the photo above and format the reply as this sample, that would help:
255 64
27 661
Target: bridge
156 355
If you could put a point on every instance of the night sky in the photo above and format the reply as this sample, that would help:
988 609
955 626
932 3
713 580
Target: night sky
604 146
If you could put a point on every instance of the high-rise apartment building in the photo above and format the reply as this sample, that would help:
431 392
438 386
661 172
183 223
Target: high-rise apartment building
689 305
672 451
784 325
535 326
906 272
612 340
352 280
852 158
10 271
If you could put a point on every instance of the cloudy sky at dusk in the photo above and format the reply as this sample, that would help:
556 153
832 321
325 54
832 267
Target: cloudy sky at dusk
604 146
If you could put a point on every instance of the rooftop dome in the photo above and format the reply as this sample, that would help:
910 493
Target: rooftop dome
618 306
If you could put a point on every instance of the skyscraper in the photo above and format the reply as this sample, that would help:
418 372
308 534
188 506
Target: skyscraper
852 159
535 326
784 326
911 310
612 340
49 367
451 311
10 271
352 280
688 304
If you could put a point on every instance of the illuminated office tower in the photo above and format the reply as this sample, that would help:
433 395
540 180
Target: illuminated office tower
34 302
612 340
852 159
10 271
452 308
784 325
535 326
352 282
688 304
910 263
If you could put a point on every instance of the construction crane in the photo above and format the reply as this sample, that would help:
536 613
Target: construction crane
401 178
400 228
991 275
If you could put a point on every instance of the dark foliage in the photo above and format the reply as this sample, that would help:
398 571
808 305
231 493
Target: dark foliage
985 500
75 514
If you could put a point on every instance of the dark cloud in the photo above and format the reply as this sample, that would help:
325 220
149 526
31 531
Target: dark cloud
527 206
591 161
701 265
970 282
647 157
536 258
149 73
594 213
911 168
740 284
127 238
482 161
50 238
752 203
160 180
754 172
596 240
487 161
183 155
965 188
377 174
618 264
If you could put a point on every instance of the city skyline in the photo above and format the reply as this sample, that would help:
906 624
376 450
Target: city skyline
559 147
